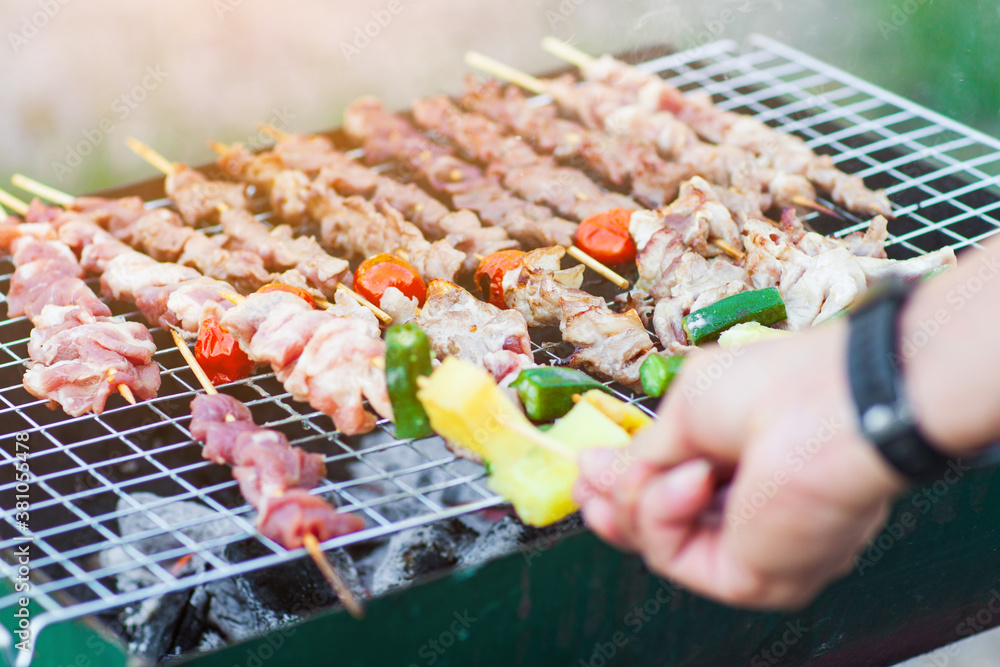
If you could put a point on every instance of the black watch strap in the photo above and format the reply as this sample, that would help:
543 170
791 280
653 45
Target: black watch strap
874 367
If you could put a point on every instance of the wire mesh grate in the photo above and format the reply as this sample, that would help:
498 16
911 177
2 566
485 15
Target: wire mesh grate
92 474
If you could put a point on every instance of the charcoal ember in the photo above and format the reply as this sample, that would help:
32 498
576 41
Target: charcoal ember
421 551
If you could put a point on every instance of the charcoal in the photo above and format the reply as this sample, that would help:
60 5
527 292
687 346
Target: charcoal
292 589
421 551
510 534
152 624
172 514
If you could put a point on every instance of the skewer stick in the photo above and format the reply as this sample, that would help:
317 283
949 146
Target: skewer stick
564 51
592 263
199 372
729 249
41 190
805 202
232 297
329 573
273 132
13 203
151 156
383 316
217 146
504 71
123 389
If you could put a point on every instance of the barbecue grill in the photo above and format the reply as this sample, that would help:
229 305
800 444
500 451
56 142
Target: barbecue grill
559 599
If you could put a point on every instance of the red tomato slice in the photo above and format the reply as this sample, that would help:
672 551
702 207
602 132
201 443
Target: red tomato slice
380 272
605 237
489 275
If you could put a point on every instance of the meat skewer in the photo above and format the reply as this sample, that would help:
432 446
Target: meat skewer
276 249
785 152
78 350
320 161
386 136
533 177
340 346
334 170
607 109
287 513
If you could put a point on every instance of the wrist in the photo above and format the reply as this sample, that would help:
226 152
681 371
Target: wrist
939 391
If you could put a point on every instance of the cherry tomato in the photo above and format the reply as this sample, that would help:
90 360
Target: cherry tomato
297 291
489 275
605 237
380 272
219 354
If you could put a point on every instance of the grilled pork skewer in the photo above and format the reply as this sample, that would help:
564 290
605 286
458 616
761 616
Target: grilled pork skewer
784 152
386 137
273 476
652 180
79 353
316 157
533 177
277 249
604 108
342 345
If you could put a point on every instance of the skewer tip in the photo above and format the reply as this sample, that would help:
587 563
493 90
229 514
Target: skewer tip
147 153
504 71
329 572
41 190
383 316
604 271
126 393
13 203
564 51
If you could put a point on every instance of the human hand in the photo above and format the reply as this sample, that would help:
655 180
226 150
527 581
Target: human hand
806 492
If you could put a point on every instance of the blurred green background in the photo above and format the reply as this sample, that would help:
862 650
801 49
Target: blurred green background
76 76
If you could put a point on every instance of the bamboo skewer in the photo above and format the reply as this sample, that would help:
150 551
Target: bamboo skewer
505 72
332 577
41 190
567 52
590 262
156 160
21 208
309 540
123 389
13 203
273 132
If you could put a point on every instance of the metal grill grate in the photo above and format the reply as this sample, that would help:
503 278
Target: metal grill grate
85 470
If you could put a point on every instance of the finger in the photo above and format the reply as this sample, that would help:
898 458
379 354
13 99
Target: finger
678 545
669 509
599 514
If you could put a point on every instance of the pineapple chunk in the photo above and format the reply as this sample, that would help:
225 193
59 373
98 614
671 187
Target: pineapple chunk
466 407
540 485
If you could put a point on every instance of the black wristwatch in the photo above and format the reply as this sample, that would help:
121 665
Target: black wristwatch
874 365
